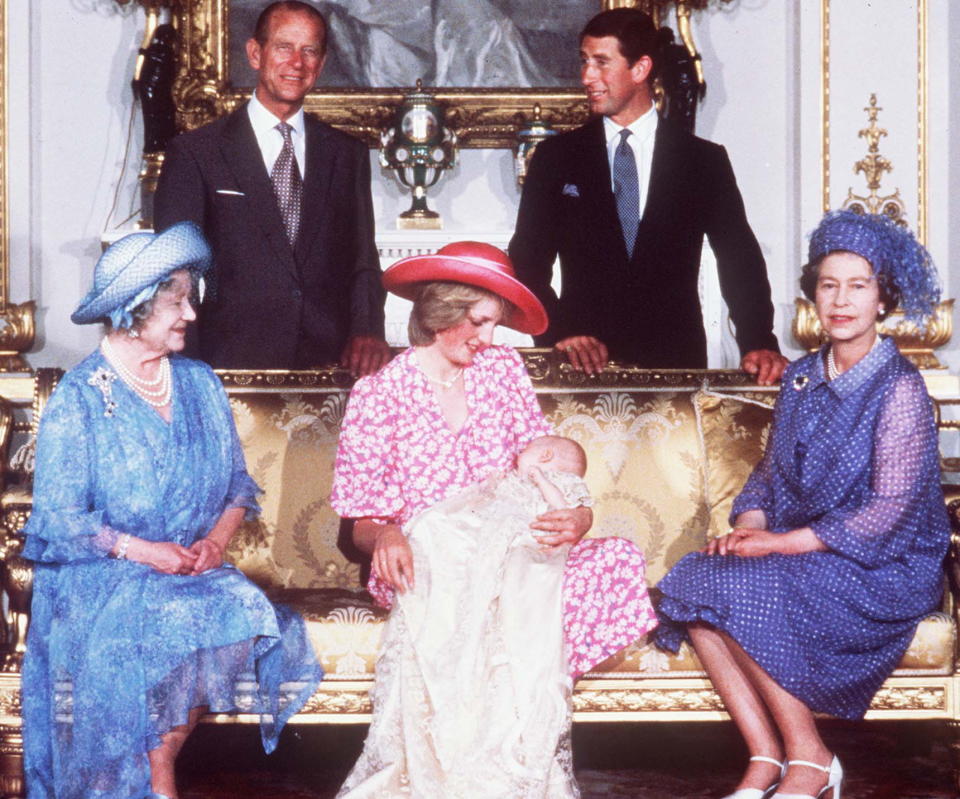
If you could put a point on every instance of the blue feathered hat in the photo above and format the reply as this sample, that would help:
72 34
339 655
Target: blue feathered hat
132 267
897 258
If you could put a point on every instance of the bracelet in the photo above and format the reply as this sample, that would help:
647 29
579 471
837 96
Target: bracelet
122 548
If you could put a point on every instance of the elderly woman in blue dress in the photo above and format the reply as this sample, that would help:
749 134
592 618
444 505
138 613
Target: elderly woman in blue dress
138 626
839 535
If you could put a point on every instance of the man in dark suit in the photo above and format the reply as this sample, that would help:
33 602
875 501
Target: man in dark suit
625 201
296 279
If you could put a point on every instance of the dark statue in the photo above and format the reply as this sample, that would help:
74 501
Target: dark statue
153 86
681 86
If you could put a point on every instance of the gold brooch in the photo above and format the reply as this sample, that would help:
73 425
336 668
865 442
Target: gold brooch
799 382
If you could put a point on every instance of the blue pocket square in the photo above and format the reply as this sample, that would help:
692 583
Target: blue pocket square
570 190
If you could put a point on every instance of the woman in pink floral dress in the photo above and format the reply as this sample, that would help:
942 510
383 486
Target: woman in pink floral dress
442 416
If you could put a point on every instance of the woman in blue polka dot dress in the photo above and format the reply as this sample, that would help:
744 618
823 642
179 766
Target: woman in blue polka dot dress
838 537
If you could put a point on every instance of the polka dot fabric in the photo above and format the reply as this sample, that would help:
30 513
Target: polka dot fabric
856 460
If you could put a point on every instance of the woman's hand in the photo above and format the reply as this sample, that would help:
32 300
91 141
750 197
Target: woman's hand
747 542
163 556
565 526
750 542
392 558
209 555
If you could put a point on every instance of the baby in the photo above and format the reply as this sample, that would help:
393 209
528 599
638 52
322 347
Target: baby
549 476
560 456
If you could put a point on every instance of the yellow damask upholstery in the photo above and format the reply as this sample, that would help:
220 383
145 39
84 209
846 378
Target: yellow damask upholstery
345 628
645 474
735 431
644 470
932 648
664 468
290 441
930 653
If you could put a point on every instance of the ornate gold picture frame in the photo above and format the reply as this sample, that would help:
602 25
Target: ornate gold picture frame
16 320
4 147
482 116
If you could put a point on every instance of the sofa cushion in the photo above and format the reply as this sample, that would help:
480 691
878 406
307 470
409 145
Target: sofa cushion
343 626
345 629
733 433
932 648
930 653
290 441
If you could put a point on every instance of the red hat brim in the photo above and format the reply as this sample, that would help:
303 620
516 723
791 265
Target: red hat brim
403 278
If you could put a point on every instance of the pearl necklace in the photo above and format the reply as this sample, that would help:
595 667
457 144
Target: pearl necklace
832 372
446 385
157 392
114 358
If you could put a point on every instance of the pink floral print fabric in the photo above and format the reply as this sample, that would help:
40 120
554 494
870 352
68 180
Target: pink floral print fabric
605 601
397 457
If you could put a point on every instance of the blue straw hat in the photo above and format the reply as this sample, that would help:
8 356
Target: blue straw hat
897 258
137 262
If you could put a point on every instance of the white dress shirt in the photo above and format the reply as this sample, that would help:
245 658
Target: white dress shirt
643 132
269 138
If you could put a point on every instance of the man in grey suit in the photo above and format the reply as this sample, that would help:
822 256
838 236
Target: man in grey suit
285 202
625 201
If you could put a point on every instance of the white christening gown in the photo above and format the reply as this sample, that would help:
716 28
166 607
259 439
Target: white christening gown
472 697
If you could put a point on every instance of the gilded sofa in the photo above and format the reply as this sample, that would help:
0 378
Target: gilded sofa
668 451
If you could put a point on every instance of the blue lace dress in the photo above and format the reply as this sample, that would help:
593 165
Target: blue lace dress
856 460
118 653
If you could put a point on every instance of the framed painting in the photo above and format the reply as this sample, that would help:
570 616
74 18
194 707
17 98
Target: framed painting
489 62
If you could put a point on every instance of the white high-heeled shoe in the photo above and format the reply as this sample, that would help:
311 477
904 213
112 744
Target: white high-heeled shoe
760 793
834 774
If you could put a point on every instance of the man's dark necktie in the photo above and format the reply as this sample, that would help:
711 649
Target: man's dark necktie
626 190
287 184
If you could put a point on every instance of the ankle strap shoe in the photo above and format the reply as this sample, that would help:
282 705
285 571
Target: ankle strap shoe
831 790
760 793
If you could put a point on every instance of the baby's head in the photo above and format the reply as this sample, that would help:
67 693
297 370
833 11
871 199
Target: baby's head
554 453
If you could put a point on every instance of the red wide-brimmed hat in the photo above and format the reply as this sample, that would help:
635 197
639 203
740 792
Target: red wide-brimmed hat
475 264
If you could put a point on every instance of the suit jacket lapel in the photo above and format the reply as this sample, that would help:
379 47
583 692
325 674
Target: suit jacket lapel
597 192
242 154
667 151
663 172
317 178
